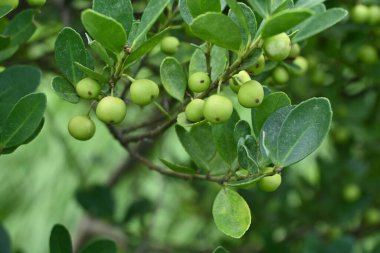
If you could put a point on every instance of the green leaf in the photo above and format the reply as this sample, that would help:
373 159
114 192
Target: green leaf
69 48
198 62
308 3
173 78
247 154
231 213
60 240
220 249
303 130
97 200
258 6
282 5
107 31
36 132
91 73
21 27
23 120
270 104
269 133
198 7
150 15
213 27
185 12
64 90
245 183
319 22
177 167
182 121
7 53
219 62
15 83
147 46
4 41
284 21
224 139
242 129
198 144
251 59
120 10
4 10
101 246
101 52
248 31
5 242
133 33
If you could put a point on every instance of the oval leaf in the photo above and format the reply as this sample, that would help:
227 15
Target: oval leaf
97 200
242 129
107 31
303 130
64 90
247 154
120 10
198 62
213 27
173 78
231 213
198 7
185 12
60 240
219 61
21 27
246 20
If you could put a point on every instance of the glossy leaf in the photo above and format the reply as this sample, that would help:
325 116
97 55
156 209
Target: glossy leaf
173 78
23 120
91 73
198 7
64 90
198 62
231 213
258 6
213 27
185 12
247 154
97 200
21 27
270 104
150 15
60 240
284 21
198 144
120 10
224 139
69 48
248 30
319 22
219 62
5 242
177 167
107 31
101 246
303 130
242 129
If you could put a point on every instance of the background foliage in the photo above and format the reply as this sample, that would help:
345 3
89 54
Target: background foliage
327 203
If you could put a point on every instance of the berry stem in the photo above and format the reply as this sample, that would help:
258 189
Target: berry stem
162 109
129 77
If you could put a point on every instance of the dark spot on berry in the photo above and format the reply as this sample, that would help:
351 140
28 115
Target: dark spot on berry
257 100
202 81
217 119
152 97
257 65
90 93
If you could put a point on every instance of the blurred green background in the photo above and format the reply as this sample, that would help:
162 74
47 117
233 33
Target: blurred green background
329 202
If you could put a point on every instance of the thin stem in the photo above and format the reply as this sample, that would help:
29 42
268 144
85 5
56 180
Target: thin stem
129 77
162 109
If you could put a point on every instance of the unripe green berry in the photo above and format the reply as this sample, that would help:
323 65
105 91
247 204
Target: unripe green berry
199 82
169 45
36 2
218 109
12 3
270 183
303 65
280 75
111 110
258 67
277 47
251 94
81 128
351 192
372 216
359 14
88 88
194 110
294 50
374 14
143 91
238 79
368 54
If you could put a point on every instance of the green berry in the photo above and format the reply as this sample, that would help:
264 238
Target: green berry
351 192
13 3
111 110
270 183
372 216
374 14
218 109
81 128
258 67
169 45
251 94
88 88
144 91
368 54
36 2
194 110
277 47
303 65
359 14
199 82
238 79
280 75
294 50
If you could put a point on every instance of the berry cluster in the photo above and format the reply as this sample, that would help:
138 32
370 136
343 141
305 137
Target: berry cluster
362 14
